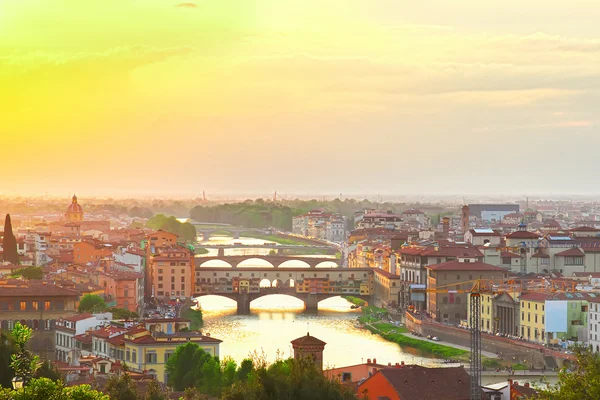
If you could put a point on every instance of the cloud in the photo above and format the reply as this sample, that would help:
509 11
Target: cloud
187 5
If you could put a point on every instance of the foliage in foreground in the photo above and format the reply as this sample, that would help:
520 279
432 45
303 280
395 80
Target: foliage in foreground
195 316
46 389
190 368
580 383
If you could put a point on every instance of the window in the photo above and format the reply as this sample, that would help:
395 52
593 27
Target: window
160 271
150 358
126 294
578 260
127 356
505 260
134 356
183 271
172 286
172 279
346 377
183 278
173 264
160 278
172 271
160 285
445 300
23 306
167 356
458 277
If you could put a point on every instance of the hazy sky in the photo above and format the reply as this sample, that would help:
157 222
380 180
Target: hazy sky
324 96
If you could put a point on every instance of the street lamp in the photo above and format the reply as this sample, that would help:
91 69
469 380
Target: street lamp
17 382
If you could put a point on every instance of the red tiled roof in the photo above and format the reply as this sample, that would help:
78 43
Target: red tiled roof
308 341
78 317
456 265
83 338
37 290
454 251
413 382
584 229
534 296
572 252
522 235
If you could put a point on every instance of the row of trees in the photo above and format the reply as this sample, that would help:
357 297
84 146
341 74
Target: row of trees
191 368
185 230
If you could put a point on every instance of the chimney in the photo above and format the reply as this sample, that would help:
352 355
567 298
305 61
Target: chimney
374 361
397 365
368 361
526 384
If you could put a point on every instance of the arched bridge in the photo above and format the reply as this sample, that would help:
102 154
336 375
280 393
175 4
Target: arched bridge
309 285
207 229
274 260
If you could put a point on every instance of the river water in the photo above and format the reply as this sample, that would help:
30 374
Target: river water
276 320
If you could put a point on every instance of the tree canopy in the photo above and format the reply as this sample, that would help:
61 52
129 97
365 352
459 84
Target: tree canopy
190 367
91 303
579 382
45 389
185 231
29 273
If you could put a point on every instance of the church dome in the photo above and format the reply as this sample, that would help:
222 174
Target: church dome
74 207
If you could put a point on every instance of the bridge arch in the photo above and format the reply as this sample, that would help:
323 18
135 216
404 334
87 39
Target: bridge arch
215 301
327 264
209 263
278 283
290 283
292 263
265 283
253 258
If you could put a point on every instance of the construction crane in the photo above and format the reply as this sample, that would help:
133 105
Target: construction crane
479 286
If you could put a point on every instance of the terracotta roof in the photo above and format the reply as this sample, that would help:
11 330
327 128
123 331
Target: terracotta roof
584 229
539 254
454 251
37 290
83 338
78 317
526 391
385 273
572 252
534 296
308 341
522 235
456 265
412 382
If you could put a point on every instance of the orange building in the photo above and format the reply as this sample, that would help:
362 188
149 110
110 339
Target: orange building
172 273
91 251
124 287
415 382
154 243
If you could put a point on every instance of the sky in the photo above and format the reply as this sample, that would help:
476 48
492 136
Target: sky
338 96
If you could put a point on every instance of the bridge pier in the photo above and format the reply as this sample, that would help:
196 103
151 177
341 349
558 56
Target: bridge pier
312 303
221 252
243 304
236 234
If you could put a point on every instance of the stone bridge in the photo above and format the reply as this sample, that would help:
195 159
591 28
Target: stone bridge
311 285
207 229
274 260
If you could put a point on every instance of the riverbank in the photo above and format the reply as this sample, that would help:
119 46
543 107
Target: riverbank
292 241
375 319
355 300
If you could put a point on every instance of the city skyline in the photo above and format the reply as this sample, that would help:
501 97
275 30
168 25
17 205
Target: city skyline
299 97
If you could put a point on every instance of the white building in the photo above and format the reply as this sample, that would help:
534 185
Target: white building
482 237
594 325
132 258
377 219
68 328
414 215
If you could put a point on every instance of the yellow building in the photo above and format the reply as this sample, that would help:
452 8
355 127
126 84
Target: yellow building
533 316
150 351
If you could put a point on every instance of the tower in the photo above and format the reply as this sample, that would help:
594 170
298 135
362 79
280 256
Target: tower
446 225
74 211
465 218
311 347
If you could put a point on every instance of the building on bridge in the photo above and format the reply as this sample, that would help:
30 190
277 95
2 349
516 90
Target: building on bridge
310 285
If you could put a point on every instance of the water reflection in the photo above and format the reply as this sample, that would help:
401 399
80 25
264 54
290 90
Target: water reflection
276 320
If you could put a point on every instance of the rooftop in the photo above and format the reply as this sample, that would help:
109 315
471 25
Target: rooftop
456 265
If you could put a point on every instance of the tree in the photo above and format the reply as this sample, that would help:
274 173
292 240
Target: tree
185 366
123 313
23 362
91 303
156 392
47 370
29 273
9 243
7 348
582 382
121 387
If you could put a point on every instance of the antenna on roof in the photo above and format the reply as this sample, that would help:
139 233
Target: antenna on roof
307 326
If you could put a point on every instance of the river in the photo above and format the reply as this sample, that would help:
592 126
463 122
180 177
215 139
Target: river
276 320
